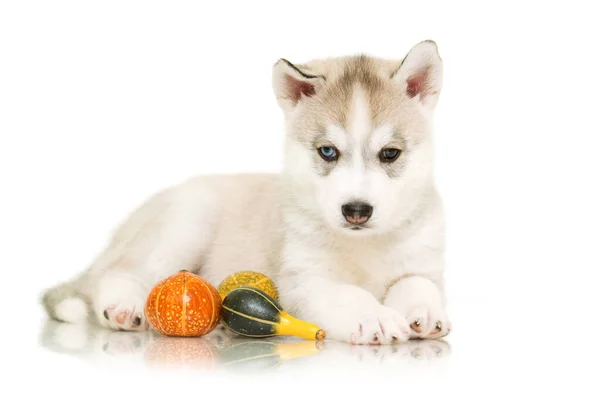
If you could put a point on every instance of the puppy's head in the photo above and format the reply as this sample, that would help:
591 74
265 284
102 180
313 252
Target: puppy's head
358 145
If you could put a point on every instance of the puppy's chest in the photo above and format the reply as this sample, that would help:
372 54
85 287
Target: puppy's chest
372 269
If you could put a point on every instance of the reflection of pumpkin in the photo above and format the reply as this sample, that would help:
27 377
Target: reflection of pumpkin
183 304
179 352
248 278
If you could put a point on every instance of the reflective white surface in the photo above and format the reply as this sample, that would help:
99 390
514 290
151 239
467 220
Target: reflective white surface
484 353
221 351
496 349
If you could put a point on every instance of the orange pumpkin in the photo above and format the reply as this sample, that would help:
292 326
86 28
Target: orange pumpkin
183 304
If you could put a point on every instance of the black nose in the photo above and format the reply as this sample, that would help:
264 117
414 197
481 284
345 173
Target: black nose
357 213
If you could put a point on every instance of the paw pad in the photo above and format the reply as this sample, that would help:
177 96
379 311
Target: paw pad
123 318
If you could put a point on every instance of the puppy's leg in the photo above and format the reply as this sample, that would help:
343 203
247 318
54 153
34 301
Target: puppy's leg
169 232
173 237
346 312
119 299
120 292
421 301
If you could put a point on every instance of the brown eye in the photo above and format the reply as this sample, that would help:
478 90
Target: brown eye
389 155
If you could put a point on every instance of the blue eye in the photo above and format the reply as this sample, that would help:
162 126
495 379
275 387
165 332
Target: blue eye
328 153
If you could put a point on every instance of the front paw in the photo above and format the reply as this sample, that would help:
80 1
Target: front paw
427 321
381 326
419 300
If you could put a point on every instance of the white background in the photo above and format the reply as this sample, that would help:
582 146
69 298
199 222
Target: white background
103 103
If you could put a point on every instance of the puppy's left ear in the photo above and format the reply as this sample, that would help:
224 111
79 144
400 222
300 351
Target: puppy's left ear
293 84
420 74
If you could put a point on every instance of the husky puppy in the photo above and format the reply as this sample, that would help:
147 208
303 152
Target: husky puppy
351 230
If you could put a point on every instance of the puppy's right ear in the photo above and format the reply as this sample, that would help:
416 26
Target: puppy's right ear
291 84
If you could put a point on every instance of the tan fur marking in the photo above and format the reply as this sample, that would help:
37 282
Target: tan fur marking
332 104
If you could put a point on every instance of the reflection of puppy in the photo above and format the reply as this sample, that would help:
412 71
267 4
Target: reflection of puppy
430 349
423 350
94 343
351 231
90 342
220 350
336 356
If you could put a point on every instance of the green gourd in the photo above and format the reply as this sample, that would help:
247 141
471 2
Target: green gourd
250 312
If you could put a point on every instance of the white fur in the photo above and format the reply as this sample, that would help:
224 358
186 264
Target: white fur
381 136
360 124
367 286
350 181
122 296
72 309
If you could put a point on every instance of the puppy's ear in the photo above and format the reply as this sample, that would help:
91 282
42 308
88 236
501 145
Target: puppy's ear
291 84
420 74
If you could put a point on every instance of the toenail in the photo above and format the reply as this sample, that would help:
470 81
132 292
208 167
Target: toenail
137 321
105 314
415 327
438 326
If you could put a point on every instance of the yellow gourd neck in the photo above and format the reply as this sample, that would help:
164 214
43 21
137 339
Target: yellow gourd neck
291 326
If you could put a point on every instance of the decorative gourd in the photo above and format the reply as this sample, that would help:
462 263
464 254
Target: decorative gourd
251 312
183 304
248 278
